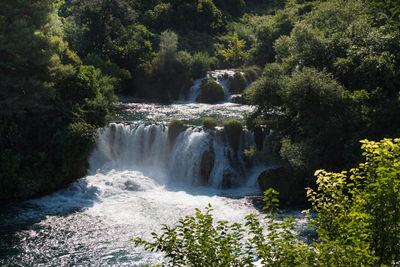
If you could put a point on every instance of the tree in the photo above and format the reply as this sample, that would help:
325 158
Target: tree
26 55
168 44
361 209
50 103
235 53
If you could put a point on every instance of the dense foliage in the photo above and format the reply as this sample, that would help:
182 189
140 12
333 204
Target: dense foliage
357 224
334 80
126 39
50 103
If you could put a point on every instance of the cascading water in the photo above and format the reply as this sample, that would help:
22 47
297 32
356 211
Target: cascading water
196 157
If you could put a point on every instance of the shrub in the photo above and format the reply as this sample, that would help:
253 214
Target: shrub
252 73
233 129
237 83
357 223
175 127
211 92
209 123
165 76
361 208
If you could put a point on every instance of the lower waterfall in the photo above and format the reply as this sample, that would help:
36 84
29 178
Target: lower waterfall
197 156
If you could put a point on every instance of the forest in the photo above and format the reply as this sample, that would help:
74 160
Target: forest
324 75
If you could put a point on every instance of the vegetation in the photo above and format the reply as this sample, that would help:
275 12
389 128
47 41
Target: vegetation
209 123
127 38
334 81
252 73
238 83
357 223
211 92
175 127
201 63
233 129
324 75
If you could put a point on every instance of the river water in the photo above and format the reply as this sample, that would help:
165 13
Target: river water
137 181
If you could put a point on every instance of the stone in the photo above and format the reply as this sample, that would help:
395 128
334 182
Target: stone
289 182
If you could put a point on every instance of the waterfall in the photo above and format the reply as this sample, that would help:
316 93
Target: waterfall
220 76
197 156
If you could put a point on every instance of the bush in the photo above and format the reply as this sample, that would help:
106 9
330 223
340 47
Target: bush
211 92
237 83
209 123
357 223
233 130
108 68
175 127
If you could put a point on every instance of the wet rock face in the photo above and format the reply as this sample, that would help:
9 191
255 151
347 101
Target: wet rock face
238 99
229 179
175 127
206 166
289 182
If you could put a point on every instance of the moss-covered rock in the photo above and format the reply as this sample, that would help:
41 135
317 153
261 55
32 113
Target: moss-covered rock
237 83
233 130
175 127
211 92
289 182
252 73
209 123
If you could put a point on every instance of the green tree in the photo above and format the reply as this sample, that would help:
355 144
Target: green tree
168 44
50 104
25 53
234 55
361 209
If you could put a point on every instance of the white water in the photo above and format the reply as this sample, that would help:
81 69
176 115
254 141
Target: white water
136 183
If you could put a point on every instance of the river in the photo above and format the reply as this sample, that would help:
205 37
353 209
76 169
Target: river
137 181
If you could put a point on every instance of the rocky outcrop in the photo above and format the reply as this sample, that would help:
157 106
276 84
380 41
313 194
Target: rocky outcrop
211 92
229 178
289 182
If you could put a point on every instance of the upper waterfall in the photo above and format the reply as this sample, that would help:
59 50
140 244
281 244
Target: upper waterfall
222 77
